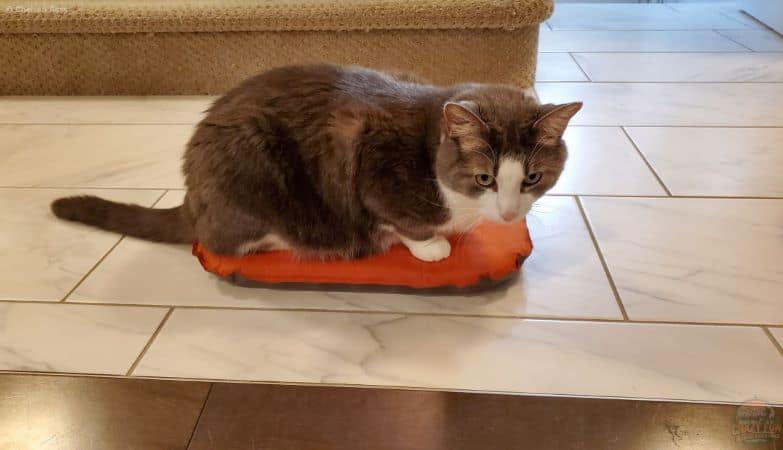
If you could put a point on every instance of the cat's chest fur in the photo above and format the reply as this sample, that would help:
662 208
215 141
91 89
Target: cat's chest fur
465 212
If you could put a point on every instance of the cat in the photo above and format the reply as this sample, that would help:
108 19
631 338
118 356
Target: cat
342 162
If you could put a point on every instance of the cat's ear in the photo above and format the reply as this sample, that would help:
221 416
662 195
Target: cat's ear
462 120
553 121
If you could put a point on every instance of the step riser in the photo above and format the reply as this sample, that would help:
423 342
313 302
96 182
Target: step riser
211 63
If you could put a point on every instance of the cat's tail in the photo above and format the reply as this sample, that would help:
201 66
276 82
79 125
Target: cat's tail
161 225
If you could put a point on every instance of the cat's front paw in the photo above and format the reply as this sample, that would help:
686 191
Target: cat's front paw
431 250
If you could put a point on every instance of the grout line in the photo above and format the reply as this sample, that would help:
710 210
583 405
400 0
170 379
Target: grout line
603 125
95 188
698 197
201 413
102 258
682 53
743 28
553 194
726 14
601 257
92 269
446 314
573 58
734 41
646 162
364 386
759 26
683 82
194 123
715 52
775 343
149 342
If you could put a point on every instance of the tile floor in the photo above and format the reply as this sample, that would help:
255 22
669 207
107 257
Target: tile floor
656 272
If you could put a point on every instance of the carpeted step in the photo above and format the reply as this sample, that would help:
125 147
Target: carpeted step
89 47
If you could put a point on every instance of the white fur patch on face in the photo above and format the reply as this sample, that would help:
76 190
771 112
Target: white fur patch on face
511 173
508 204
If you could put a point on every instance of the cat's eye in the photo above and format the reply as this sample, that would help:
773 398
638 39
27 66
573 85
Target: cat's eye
532 178
485 180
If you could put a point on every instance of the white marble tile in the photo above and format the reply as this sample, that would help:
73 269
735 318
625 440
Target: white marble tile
602 161
682 67
558 67
93 155
636 17
664 104
715 161
42 257
562 278
635 41
74 338
698 260
508 355
108 109
728 9
756 40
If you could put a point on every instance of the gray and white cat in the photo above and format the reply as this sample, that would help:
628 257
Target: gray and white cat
333 161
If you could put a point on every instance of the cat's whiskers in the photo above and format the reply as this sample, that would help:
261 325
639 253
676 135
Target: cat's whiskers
470 230
536 148
492 161
541 208
453 208
461 235
537 221
430 201
534 215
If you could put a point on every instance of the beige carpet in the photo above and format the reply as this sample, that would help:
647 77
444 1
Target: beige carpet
205 46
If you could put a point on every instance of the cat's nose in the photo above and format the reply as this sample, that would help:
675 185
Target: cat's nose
508 216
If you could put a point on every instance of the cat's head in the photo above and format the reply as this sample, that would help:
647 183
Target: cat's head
501 149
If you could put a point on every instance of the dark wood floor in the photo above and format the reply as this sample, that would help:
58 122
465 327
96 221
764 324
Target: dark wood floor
85 413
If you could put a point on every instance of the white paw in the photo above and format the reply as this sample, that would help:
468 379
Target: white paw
431 250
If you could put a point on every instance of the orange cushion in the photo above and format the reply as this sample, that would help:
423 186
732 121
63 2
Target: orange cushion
491 251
